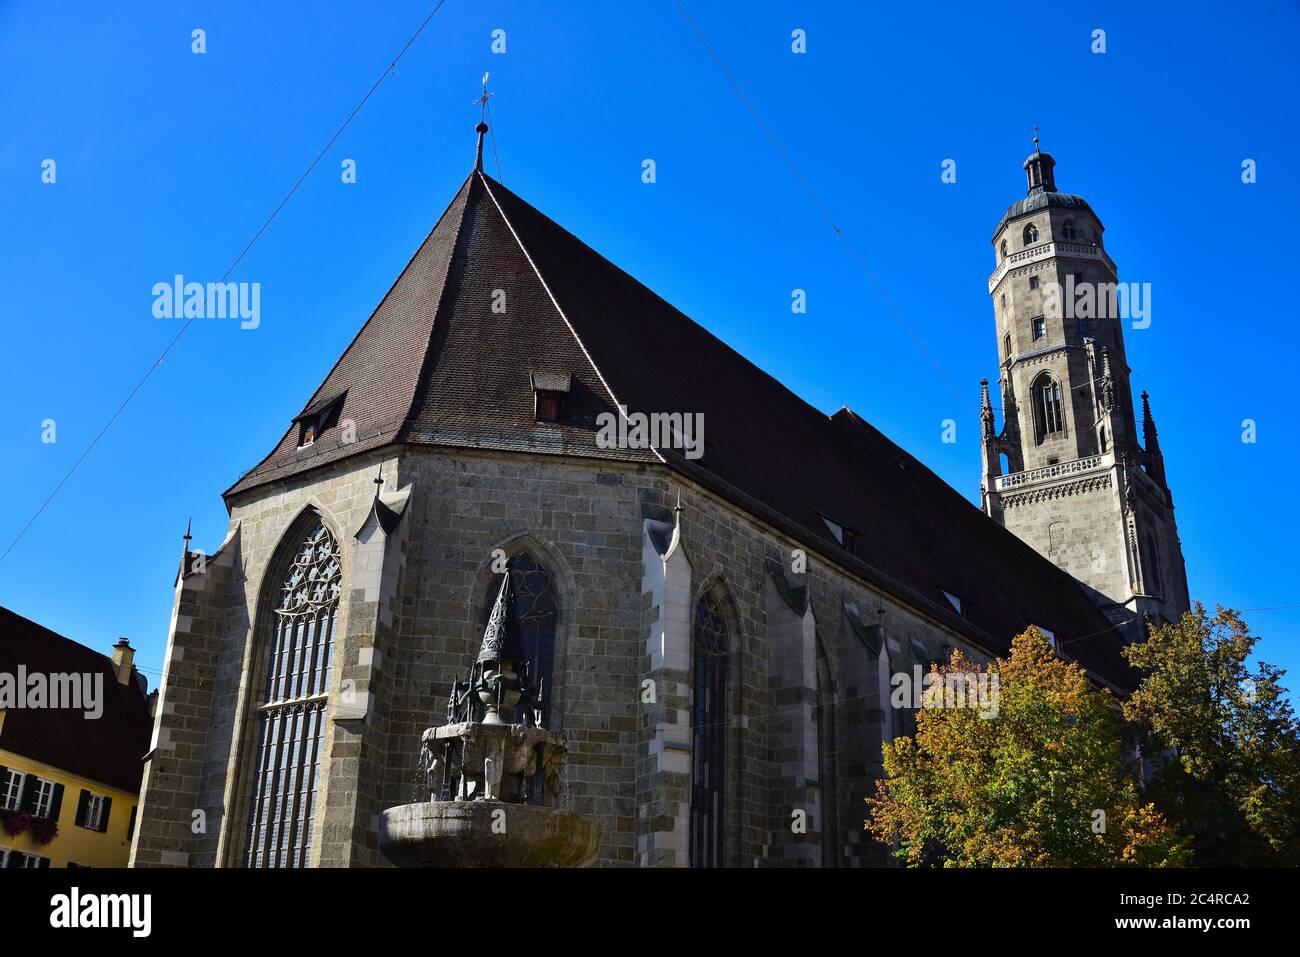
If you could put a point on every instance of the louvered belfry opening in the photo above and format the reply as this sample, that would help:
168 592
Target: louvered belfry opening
291 716
708 732
1049 417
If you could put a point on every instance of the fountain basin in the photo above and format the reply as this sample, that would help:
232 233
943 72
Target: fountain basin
474 834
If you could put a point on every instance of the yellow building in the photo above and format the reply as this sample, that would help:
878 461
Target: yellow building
74 728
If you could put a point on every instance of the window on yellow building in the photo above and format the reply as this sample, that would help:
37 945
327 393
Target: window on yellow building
12 858
93 811
44 798
23 791
13 790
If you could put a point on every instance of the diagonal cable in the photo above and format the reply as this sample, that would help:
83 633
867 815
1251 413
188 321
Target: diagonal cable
256 236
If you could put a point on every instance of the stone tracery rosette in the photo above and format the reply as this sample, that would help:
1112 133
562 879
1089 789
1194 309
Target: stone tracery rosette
315 577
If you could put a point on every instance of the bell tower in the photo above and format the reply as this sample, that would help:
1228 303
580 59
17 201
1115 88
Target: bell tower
1067 473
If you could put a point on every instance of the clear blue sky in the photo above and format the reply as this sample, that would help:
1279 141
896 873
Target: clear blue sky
168 162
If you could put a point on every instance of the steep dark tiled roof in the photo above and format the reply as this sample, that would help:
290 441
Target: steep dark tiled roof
109 748
437 364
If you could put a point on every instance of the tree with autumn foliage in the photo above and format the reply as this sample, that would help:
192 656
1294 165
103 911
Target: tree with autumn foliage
1039 780
1221 740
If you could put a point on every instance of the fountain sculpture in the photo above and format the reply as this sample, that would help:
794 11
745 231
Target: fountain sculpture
492 772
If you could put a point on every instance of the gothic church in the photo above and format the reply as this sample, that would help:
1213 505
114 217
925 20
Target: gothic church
715 635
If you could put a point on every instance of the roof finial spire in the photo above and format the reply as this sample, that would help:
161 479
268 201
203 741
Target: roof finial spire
1039 170
482 124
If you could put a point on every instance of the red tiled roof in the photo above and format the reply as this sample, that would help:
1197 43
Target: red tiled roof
110 748
436 364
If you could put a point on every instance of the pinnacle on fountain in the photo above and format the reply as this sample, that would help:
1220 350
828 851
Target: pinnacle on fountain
502 640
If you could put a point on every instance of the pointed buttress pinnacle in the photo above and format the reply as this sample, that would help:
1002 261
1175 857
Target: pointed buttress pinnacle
185 550
1149 437
986 409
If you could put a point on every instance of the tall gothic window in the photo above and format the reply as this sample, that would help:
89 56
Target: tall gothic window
1049 415
708 731
291 715
1031 234
537 611
824 714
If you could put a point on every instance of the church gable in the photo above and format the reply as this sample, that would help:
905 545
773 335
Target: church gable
499 348
378 372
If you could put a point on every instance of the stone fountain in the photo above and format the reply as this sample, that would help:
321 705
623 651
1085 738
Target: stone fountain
492 772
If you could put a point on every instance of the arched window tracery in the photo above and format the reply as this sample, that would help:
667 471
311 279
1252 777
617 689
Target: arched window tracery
709 650
291 713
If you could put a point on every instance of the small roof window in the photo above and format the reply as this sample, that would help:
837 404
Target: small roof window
550 390
317 417
846 536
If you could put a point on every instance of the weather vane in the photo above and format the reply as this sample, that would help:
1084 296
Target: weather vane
484 112
482 100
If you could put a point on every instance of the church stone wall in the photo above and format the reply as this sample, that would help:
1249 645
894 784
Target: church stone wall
412 614
344 497
174 773
582 522
769 764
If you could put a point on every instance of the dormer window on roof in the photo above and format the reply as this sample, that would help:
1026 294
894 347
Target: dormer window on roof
848 537
317 417
550 389
955 601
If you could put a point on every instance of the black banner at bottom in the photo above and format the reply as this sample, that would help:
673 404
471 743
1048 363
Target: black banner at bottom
216 906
